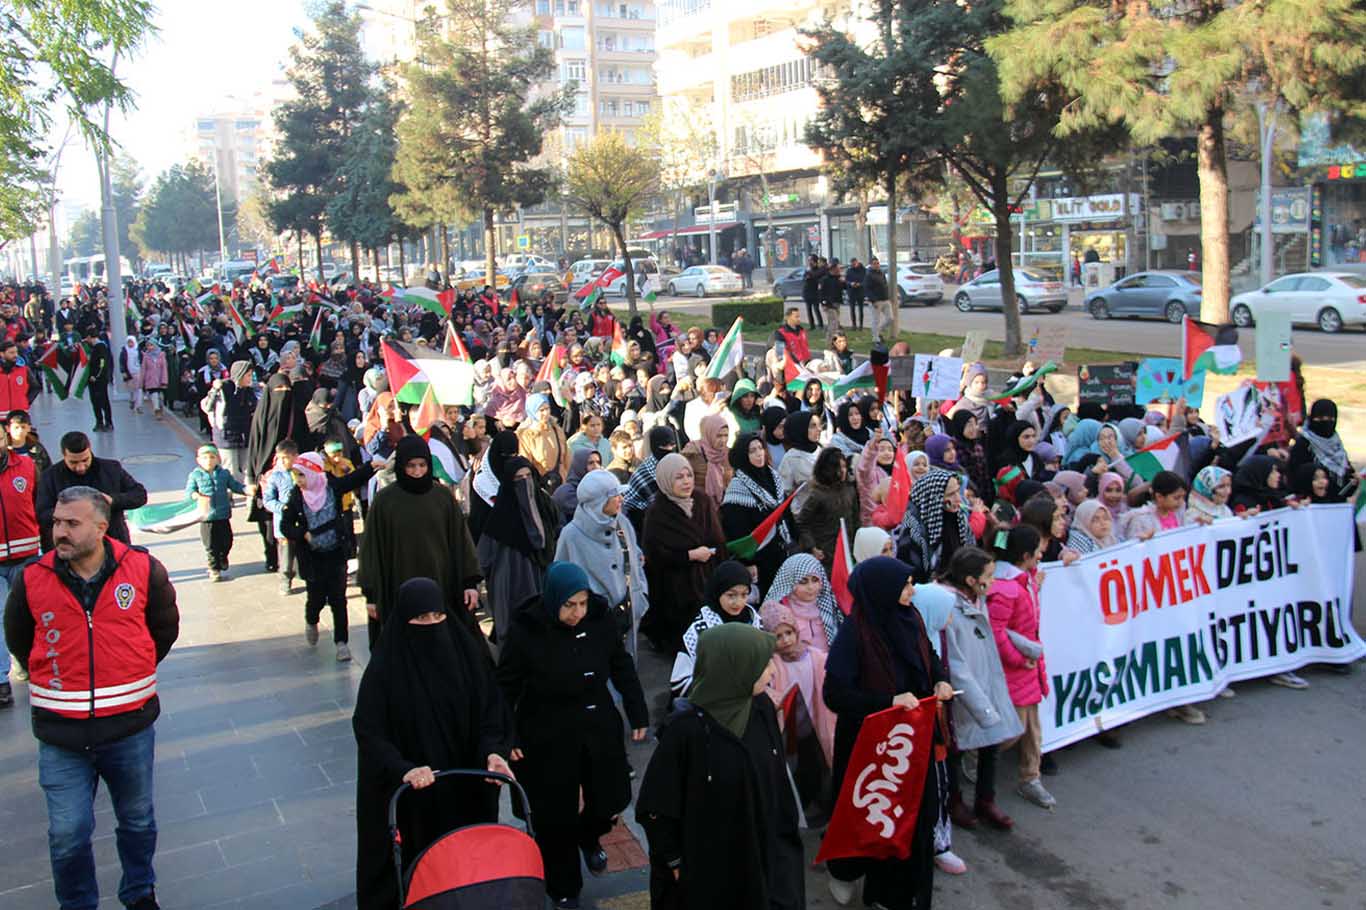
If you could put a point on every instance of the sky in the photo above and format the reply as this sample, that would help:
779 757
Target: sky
206 52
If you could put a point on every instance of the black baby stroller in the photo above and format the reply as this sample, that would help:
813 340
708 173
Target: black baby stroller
478 867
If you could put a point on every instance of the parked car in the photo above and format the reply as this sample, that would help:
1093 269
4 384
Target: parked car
919 283
788 282
584 270
646 269
702 280
278 284
1330 300
531 285
1033 291
1170 294
474 279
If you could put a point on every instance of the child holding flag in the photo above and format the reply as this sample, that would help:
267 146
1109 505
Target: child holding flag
212 487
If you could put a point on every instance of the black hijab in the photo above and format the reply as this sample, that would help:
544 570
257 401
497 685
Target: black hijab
859 436
1302 484
794 431
662 441
515 519
773 417
503 446
1250 490
895 650
739 460
412 446
958 424
1011 453
728 574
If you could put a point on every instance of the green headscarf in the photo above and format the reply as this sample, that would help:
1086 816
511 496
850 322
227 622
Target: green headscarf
730 659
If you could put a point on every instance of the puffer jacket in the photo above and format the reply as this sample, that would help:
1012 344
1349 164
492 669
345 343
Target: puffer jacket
1014 605
984 714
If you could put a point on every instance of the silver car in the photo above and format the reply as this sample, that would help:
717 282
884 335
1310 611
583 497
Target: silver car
702 280
1033 291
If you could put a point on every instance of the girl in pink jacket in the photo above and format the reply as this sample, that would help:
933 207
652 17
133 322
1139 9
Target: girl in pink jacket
1013 602
152 378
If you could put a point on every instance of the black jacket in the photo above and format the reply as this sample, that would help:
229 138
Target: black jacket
101 364
105 475
832 290
163 624
856 277
555 680
811 285
875 285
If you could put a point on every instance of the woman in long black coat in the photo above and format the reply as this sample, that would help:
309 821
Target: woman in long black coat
562 650
680 527
428 700
716 804
882 657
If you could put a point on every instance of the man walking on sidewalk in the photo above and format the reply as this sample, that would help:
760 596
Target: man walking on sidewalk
101 372
90 621
80 467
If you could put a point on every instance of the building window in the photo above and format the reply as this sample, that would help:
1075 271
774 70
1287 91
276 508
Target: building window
772 80
642 108
575 70
572 39
206 126
546 38
543 7
609 107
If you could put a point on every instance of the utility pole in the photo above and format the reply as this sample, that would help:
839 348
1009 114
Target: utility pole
1266 133
218 200
118 329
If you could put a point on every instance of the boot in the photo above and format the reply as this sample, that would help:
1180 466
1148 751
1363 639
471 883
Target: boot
989 812
959 814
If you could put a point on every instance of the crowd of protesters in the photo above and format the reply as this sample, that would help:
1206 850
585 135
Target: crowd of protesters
600 494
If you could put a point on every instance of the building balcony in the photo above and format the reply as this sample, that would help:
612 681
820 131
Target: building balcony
619 54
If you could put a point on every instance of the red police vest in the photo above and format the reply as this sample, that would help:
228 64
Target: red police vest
97 664
18 520
14 390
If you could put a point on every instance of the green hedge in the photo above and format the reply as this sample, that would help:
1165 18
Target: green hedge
758 311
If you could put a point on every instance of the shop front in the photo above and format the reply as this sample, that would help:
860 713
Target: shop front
794 239
1337 202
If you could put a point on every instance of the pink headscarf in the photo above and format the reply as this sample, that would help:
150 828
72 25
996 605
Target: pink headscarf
312 479
806 674
1105 480
715 453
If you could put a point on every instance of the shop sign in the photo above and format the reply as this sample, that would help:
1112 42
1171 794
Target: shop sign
1348 171
1289 211
1107 207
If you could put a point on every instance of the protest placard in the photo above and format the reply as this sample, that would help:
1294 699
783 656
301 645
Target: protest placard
1159 379
900 373
974 343
936 377
1273 346
1046 342
1106 383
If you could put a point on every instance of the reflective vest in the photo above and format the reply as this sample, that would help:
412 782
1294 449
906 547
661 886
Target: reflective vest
18 520
92 664
14 390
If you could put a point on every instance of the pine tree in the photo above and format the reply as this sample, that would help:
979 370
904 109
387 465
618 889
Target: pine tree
361 212
470 130
1163 68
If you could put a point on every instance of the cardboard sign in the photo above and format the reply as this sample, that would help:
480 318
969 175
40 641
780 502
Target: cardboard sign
1159 379
1046 342
974 343
1273 346
900 372
1245 413
937 378
1106 383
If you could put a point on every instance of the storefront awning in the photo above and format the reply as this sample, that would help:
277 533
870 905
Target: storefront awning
692 229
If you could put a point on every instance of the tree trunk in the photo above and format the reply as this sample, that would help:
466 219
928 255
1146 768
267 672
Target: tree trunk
618 231
893 289
355 262
446 254
769 246
402 264
1212 168
299 239
318 243
1000 195
861 225
490 246
673 235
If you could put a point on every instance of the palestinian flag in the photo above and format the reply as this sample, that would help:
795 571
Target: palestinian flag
235 316
861 378
592 298
273 266
202 300
795 375
51 365
650 297
443 462
551 370
454 347
132 310
186 335
427 299
841 569
730 352
1208 347
764 532
315 337
282 314
193 287
618 345
426 413
388 292
412 369
1026 385
1167 454
166 517
80 372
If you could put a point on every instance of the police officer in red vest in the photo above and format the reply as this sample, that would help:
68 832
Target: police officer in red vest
90 621
16 384
18 535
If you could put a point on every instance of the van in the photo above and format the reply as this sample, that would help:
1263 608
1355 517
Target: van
582 272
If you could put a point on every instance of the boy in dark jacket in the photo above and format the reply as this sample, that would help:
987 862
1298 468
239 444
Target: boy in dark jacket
212 487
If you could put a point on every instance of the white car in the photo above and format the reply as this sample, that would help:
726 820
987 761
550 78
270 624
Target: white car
647 272
1329 300
919 283
702 280
582 271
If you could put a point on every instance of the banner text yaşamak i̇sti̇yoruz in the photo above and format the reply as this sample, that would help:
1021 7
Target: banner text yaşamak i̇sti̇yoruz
1150 625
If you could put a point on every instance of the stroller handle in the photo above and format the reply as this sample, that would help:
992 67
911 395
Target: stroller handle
463 772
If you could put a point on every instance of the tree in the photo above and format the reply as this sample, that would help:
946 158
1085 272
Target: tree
126 184
331 81
682 133
1163 68
361 212
469 133
180 212
757 154
84 237
610 181
54 57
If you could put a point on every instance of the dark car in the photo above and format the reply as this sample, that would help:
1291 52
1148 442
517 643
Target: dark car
1168 294
788 282
531 285
281 283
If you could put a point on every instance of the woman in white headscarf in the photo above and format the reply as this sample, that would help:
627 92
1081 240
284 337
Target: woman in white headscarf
130 365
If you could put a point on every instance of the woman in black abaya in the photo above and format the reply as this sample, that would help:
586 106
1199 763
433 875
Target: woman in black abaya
428 700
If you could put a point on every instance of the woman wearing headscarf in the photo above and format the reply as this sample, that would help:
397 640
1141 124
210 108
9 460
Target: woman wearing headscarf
642 489
752 495
263 360
323 421
518 541
427 700
942 453
663 406
774 418
870 542
966 431
709 455
851 434
1081 440
1017 449
1208 500
601 541
797 665
554 668
935 525
974 400
1257 486
1318 443
507 400
484 486
1073 484
130 366
416 529
744 407
801 439
1093 528
566 495
715 803
726 599
683 542
804 588
830 500
882 658
543 443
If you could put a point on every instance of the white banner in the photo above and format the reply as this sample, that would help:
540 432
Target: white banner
1150 625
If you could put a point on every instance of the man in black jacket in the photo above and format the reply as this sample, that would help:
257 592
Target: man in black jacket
811 291
80 467
854 278
101 372
832 296
875 286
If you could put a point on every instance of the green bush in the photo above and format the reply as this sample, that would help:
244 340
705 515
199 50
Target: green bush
758 311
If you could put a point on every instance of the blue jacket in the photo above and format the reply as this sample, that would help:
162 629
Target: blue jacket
218 486
275 494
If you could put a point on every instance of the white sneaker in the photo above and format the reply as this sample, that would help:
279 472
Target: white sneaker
950 863
843 892
1187 714
343 653
1033 790
1289 681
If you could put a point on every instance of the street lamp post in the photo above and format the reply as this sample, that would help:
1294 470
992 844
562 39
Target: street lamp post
118 328
218 200
1266 134
713 174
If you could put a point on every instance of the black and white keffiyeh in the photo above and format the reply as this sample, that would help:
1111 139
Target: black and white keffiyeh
745 492
681 677
793 570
